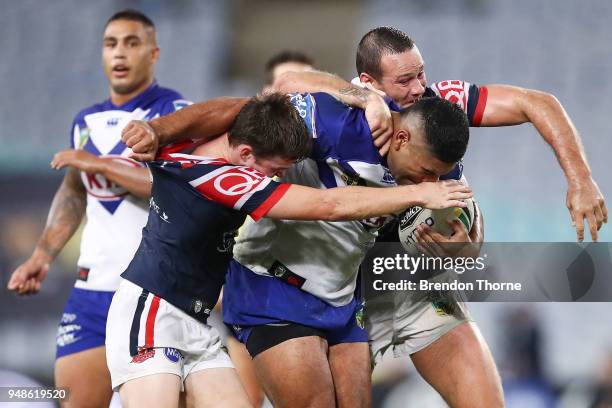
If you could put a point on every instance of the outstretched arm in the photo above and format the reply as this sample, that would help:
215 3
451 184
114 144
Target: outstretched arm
136 180
204 121
358 203
65 215
508 105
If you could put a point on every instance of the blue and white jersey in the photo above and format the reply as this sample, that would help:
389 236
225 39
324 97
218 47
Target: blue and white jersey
323 256
114 217
197 204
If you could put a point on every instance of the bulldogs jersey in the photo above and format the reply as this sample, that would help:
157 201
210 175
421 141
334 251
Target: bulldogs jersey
114 217
325 256
196 206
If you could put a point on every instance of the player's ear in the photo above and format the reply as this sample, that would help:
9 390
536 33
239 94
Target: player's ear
366 78
245 152
400 137
155 54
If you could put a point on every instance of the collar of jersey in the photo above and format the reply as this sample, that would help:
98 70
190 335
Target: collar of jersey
137 100
202 159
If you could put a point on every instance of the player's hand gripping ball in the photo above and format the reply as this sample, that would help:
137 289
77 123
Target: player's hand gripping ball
435 219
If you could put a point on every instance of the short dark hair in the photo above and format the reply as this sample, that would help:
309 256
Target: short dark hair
377 42
131 15
283 57
446 127
272 127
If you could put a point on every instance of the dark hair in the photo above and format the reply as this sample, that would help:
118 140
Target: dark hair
272 126
131 15
446 127
377 42
281 58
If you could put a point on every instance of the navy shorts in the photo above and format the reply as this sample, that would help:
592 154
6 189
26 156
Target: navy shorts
83 323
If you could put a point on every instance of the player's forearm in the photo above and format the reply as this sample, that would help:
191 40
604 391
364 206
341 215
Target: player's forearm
65 216
553 123
358 203
317 81
203 120
136 180
507 105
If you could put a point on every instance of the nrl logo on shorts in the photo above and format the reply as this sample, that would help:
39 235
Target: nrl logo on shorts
359 318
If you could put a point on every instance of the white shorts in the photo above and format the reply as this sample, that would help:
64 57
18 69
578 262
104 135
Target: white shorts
407 325
146 335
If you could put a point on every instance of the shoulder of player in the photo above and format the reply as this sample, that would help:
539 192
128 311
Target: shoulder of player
167 93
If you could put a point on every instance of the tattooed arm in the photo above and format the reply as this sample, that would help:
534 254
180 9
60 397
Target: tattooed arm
65 216
376 109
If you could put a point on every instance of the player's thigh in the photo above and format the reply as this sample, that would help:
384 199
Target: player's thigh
350 366
460 367
86 377
156 390
215 387
245 370
296 373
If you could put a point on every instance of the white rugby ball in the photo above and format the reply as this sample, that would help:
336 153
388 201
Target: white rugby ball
435 219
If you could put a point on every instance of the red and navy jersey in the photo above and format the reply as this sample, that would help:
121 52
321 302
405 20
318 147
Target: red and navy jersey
470 97
197 204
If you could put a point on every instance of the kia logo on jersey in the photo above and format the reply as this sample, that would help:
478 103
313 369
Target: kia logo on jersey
108 193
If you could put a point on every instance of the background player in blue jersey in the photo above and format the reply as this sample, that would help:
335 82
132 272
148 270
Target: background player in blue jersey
197 203
102 182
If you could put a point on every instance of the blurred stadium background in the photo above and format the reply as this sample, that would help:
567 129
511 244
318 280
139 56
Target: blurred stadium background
550 355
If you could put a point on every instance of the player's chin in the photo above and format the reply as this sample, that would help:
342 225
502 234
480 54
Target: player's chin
123 86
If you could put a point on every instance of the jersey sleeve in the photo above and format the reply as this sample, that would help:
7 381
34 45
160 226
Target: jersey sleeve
470 97
74 134
241 188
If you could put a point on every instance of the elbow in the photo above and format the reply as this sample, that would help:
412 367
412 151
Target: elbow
535 97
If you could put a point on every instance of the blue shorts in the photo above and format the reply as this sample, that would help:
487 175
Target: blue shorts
253 300
83 323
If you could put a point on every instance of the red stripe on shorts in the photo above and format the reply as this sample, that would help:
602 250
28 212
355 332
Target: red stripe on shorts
151 322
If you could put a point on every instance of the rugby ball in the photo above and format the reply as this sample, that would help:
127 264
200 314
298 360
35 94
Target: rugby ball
435 219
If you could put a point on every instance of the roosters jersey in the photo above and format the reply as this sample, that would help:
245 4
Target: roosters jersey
197 204
114 217
470 97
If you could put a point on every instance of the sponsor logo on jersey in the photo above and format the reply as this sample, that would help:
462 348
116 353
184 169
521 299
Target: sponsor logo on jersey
83 137
280 271
164 217
143 355
172 354
305 105
388 177
103 189
180 104
83 274
227 242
